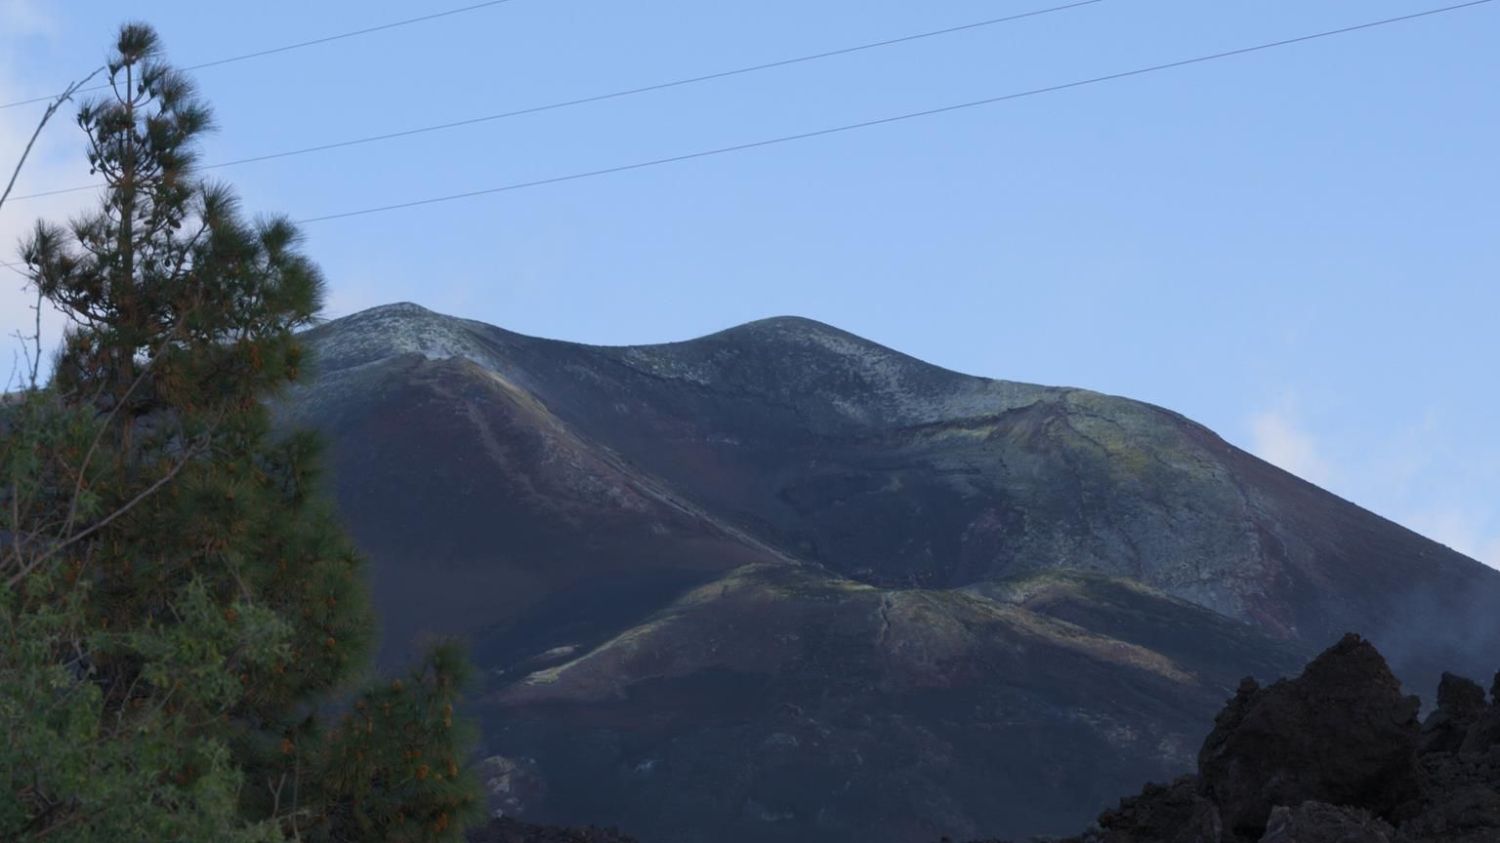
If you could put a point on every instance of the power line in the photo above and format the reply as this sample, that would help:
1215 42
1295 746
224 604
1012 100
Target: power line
299 45
676 83
849 127
800 136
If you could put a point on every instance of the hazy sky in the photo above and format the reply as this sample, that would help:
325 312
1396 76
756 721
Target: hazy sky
1299 247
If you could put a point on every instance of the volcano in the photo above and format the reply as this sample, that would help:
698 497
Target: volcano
781 583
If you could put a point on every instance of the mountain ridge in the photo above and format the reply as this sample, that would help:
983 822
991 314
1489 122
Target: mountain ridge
684 566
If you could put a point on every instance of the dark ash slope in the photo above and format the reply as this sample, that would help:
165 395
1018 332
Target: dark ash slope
781 580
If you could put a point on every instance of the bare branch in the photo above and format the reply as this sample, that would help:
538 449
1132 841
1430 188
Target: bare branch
46 116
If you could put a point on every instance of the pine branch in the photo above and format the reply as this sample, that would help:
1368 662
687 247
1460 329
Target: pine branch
32 565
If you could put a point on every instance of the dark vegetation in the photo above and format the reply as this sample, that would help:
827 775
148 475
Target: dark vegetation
184 628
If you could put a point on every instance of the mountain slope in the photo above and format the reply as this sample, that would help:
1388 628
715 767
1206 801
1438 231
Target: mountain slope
781 578
777 702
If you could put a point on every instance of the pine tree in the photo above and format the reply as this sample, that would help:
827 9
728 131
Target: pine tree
412 788
179 601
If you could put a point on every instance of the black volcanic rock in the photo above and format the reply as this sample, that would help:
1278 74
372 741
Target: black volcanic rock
1341 733
1460 705
782 583
1318 822
1486 730
1176 813
1332 756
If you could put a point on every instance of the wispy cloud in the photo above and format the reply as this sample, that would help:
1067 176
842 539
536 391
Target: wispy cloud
1463 530
1412 475
1277 437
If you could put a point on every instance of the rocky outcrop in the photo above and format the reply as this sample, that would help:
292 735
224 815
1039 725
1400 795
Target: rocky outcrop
1176 813
1460 704
1319 822
1341 733
1336 755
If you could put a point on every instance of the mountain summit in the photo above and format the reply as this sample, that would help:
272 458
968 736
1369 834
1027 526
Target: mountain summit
780 582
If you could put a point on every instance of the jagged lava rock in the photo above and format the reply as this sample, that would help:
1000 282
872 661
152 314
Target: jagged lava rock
1341 733
1333 756
1318 822
1460 704
1175 813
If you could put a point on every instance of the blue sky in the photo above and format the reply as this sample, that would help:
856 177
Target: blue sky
1297 247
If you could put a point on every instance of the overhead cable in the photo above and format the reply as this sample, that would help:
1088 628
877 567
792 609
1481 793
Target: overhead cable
882 121
297 46
626 92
